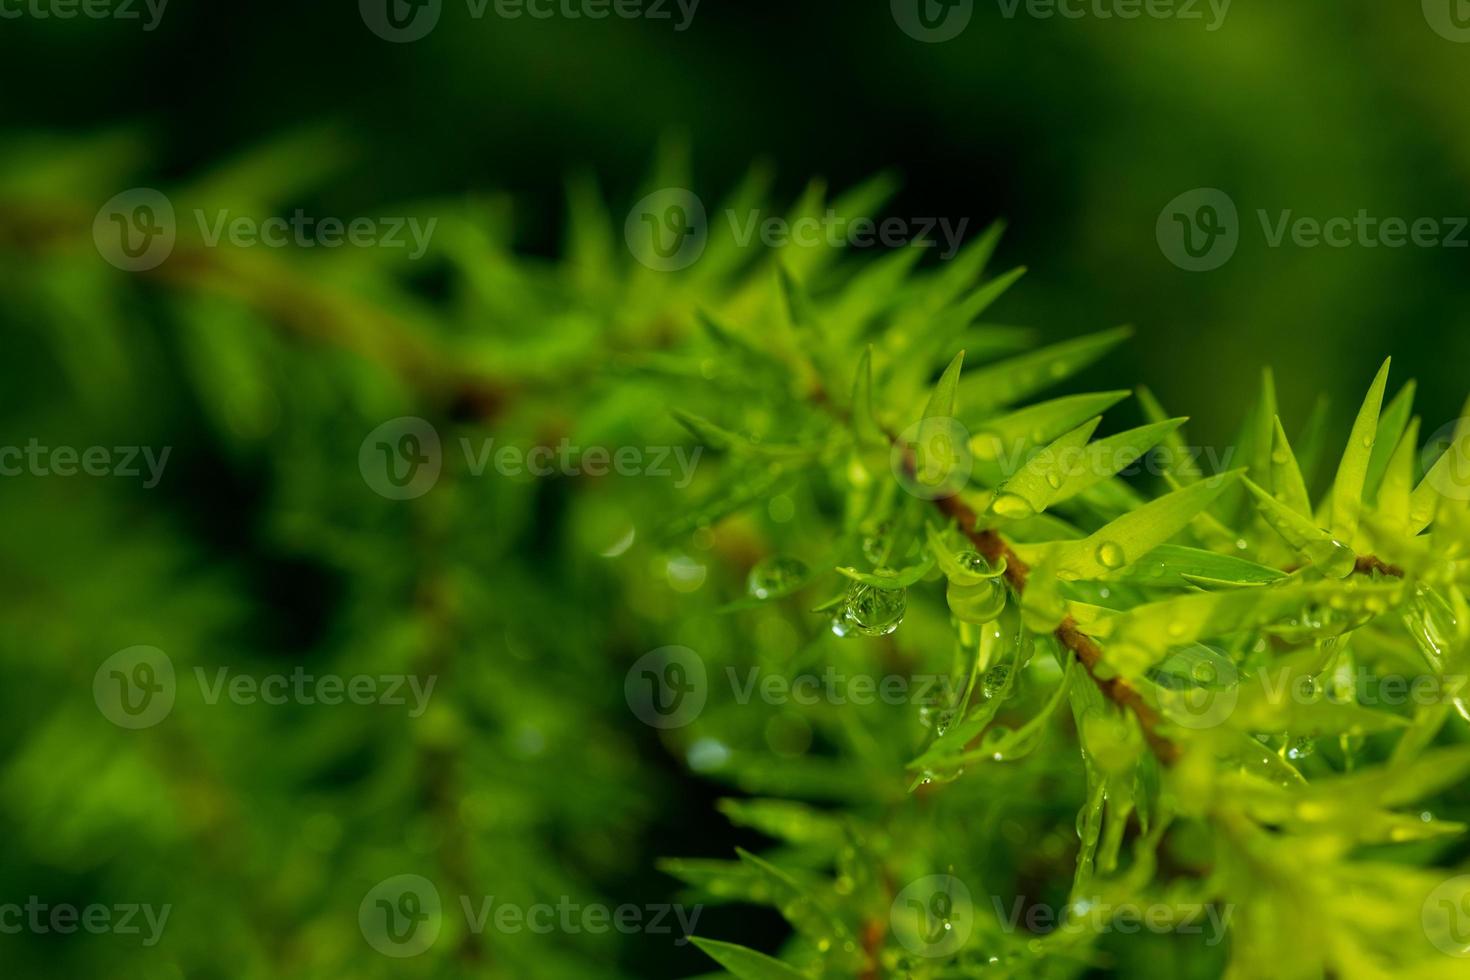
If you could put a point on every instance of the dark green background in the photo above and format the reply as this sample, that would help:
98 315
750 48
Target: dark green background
1077 131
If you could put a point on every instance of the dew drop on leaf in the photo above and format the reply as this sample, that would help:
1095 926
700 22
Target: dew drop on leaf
1301 746
875 544
995 680
775 576
871 611
1110 555
1013 506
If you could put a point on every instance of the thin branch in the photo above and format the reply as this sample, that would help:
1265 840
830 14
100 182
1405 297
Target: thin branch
1367 564
1089 654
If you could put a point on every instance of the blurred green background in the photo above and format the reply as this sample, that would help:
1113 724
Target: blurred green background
261 549
1077 131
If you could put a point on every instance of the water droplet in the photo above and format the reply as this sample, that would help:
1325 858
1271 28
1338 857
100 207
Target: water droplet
979 603
707 755
1110 555
684 573
1054 479
995 680
623 543
1301 746
973 561
871 611
1013 506
876 543
775 576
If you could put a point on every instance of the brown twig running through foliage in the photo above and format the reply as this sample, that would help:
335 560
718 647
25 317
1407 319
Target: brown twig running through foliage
994 548
1367 564
1117 690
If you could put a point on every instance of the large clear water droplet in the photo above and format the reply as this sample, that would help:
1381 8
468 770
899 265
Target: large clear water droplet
871 611
1110 554
973 561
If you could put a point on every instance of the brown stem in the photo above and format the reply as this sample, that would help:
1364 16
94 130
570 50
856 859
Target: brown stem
1116 689
1372 563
